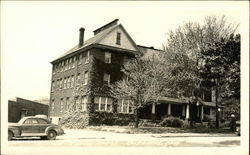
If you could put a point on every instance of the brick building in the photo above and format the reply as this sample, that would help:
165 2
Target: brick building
81 75
22 107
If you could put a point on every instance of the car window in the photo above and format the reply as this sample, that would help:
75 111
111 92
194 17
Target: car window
31 121
41 121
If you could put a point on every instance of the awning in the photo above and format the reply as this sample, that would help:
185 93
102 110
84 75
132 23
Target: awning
173 100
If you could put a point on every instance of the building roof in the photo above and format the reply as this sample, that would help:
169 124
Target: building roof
172 100
95 39
100 33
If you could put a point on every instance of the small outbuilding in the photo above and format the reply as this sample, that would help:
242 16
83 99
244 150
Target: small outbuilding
22 107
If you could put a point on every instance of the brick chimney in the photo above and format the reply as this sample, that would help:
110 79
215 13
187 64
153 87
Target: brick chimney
81 37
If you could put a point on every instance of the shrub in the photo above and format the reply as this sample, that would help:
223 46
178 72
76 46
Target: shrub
76 120
172 122
147 123
104 118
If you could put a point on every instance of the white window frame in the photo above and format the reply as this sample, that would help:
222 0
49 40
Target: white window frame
106 75
61 105
67 104
62 69
87 58
84 102
70 60
80 59
73 62
61 81
86 77
100 98
107 57
72 81
53 86
129 104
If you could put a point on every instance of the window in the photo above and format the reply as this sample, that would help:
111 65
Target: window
31 121
70 59
61 103
73 63
106 78
84 103
80 59
58 84
53 86
118 38
68 84
96 103
103 103
77 102
61 81
72 81
52 105
109 104
66 65
65 83
54 69
125 59
86 76
87 57
125 106
78 76
67 104
41 121
58 67
107 57
62 66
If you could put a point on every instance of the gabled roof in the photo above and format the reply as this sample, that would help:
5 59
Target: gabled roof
96 40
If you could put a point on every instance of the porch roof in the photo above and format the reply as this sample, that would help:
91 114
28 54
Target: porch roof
173 100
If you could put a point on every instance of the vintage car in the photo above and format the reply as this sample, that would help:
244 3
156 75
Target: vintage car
33 126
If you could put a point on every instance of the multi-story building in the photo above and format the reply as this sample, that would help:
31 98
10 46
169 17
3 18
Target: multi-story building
80 76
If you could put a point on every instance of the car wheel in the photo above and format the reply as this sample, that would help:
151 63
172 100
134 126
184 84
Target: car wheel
10 135
51 135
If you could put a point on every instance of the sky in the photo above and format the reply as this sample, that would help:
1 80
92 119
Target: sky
35 33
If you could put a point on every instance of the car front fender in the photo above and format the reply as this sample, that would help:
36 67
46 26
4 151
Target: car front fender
15 130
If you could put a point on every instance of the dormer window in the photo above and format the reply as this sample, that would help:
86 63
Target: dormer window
118 38
107 57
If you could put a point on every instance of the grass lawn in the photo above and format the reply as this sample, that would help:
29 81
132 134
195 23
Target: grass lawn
154 130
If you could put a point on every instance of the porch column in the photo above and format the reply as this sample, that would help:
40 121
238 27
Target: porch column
187 112
183 110
153 111
198 112
169 109
202 113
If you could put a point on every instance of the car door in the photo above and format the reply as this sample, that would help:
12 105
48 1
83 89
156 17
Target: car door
30 127
43 124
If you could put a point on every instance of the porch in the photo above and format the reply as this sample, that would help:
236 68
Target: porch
180 108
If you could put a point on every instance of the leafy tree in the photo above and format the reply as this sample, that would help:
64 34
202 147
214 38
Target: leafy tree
221 69
148 78
185 45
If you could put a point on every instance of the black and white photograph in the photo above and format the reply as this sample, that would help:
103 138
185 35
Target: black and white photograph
125 77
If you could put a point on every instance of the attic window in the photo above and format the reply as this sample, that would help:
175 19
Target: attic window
118 38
